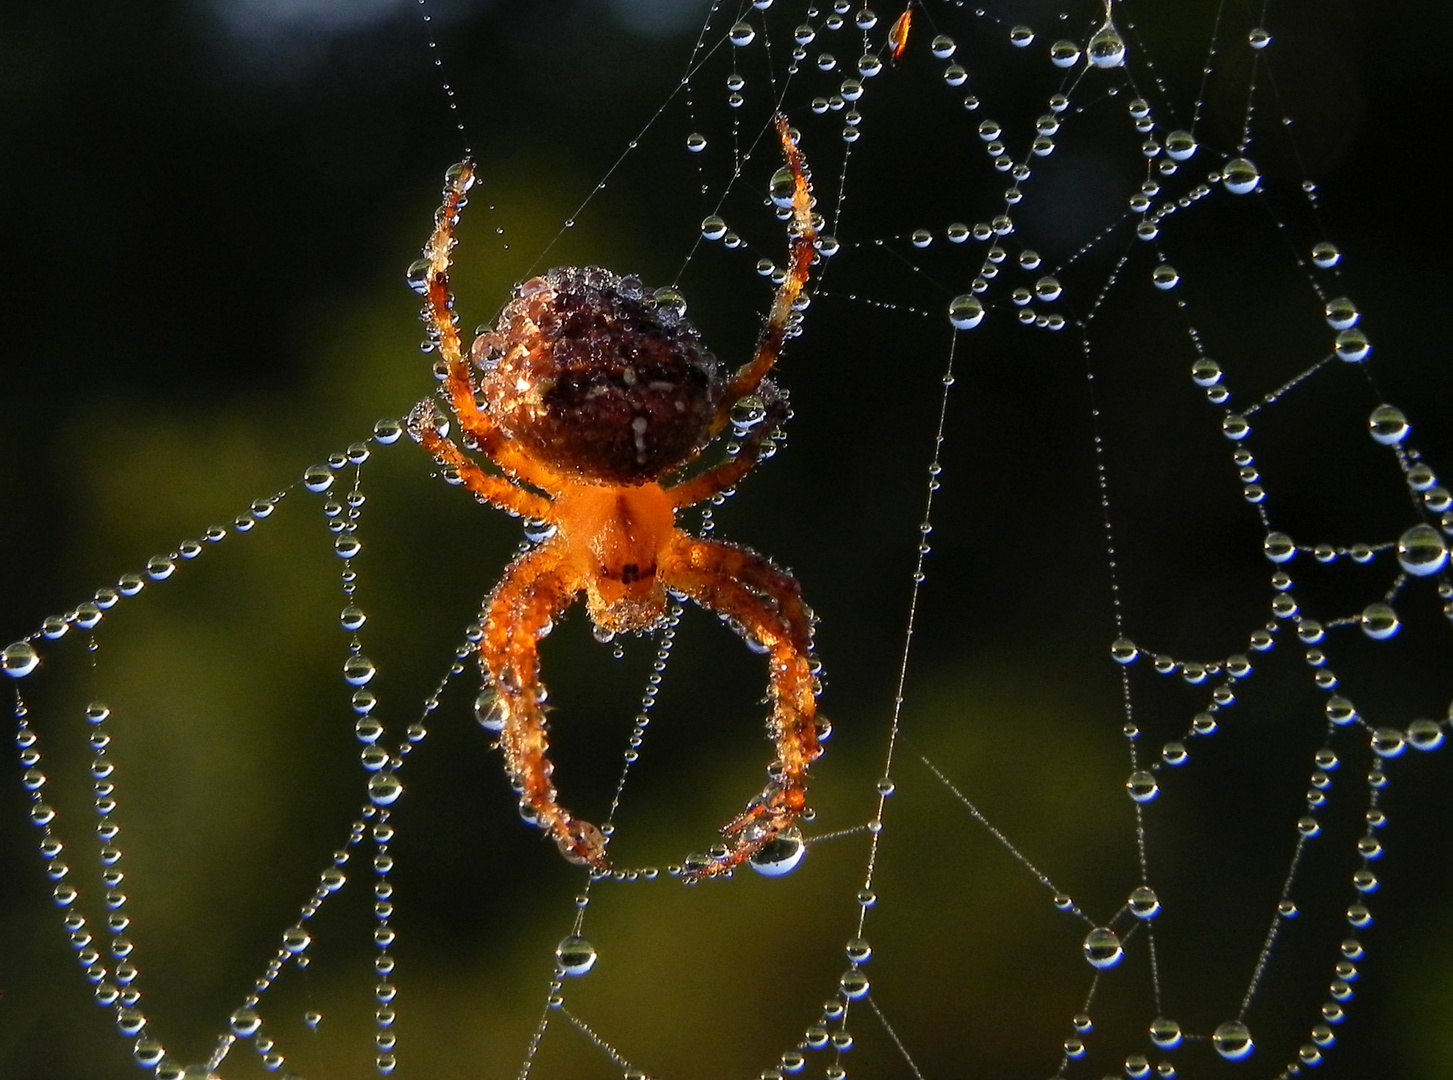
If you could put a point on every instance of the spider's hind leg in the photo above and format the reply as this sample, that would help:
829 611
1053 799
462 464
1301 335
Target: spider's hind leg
536 589
767 603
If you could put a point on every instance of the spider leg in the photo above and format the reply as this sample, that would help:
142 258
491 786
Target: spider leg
720 477
767 603
537 587
494 489
799 260
444 329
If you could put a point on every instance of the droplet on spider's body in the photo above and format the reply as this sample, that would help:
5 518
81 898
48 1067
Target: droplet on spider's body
783 187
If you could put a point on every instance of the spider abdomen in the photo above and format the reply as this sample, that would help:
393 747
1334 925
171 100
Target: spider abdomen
598 379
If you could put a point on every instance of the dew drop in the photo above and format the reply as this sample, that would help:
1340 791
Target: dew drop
317 478
1064 54
713 227
1165 276
417 275
1232 1040
1258 38
1352 346
1388 425
575 955
1102 948
782 188
1180 145
1326 255
965 312
854 984
741 34
1106 49
1240 176
1144 904
1379 621
19 659
696 142
1165 1033
780 855
1141 786
296 939
1021 37
358 670
1425 734
1421 551
384 788
245 1022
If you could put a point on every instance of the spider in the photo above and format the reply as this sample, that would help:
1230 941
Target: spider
591 398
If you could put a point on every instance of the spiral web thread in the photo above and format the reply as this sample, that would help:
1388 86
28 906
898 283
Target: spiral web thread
1124 292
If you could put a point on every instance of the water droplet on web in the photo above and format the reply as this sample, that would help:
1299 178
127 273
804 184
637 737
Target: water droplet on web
741 34
1258 38
1141 786
358 670
1021 36
1102 948
1326 255
1144 904
1165 1033
1064 54
1387 742
384 788
696 142
1424 734
965 312
1421 551
780 855
713 227
782 188
1379 621
1106 48
1180 145
1341 313
1232 1040
1240 176
854 984
575 955
1388 425
245 1022
296 939
1165 276
317 478
1352 346
19 659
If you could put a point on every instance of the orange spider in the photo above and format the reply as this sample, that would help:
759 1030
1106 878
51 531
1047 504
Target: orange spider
590 394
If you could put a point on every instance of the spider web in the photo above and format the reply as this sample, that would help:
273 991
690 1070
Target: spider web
986 519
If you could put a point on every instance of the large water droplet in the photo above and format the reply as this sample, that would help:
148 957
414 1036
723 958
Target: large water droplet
1388 425
1421 551
575 955
1240 176
1232 1040
965 312
780 855
19 659
1102 947
1106 48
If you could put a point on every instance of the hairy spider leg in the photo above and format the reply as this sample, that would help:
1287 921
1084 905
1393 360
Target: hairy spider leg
537 588
800 252
767 603
439 308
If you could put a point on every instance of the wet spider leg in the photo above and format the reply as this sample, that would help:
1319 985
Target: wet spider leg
493 489
537 587
800 253
726 474
444 328
767 603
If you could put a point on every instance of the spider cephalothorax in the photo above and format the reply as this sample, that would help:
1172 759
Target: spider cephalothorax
594 376
594 391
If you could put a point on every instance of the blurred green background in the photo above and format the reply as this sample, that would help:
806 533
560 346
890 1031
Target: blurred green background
208 208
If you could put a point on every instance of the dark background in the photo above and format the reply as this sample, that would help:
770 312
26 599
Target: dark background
205 224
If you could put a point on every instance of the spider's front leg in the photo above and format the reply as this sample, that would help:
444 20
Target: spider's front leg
767 603
537 587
